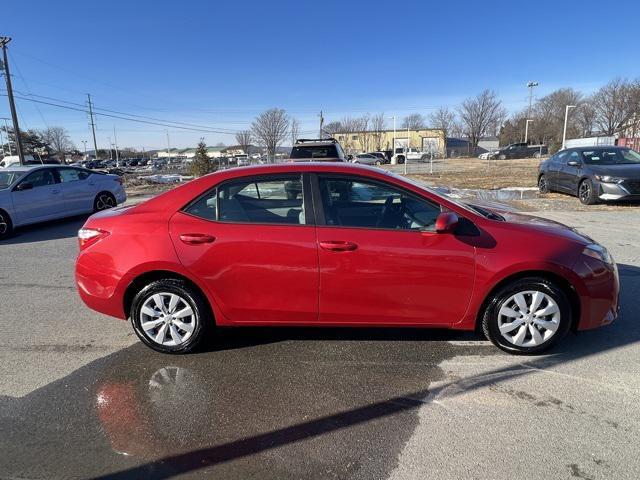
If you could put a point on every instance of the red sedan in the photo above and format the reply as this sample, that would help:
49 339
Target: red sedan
338 245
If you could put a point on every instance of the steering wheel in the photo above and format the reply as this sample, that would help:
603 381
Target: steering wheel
386 209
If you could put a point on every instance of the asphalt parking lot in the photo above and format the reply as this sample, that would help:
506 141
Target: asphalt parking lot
81 398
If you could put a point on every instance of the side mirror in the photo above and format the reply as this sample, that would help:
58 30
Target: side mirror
573 163
24 186
446 222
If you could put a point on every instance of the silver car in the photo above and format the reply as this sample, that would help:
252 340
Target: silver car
366 159
32 194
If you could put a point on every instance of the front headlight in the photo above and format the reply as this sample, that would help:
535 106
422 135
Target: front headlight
598 252
609 179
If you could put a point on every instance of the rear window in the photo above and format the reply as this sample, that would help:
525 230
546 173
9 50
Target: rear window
316 151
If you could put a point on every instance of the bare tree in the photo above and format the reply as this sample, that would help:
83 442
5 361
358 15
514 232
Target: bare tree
481 115
295 130
613 106
59 140
585 119
443 119
362 127
244 139
415 121
378 125
270 129
548 117
332 128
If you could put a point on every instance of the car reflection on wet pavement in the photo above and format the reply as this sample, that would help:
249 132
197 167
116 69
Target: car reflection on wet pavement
277 403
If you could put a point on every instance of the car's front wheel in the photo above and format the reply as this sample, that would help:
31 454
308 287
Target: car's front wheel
6 227
527 316
586 192
170 316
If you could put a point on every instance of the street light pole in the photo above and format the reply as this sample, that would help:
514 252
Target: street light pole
12 106
526 130
530 85
84 142
564 132
115 141
393 145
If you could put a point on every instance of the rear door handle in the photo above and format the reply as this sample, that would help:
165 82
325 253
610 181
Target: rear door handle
338 245
196 238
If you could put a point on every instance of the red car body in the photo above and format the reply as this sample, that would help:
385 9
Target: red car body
326 275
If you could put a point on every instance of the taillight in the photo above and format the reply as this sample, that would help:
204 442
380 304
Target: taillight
89 236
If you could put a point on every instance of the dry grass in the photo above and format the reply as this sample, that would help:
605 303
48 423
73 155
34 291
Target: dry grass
489 174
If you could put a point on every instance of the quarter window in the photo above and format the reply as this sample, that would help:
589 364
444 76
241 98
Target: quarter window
352 202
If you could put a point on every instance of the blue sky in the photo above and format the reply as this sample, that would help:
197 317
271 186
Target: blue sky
218 64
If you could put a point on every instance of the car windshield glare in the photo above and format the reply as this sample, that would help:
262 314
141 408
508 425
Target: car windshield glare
610 156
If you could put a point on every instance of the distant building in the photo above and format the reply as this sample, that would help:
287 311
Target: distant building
425 139
461 147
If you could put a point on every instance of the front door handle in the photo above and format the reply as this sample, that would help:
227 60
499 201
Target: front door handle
338 245
196 238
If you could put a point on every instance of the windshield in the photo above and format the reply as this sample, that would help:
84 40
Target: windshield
7 178
623 156
319 151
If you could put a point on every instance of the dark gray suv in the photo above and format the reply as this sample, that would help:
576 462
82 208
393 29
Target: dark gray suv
593 174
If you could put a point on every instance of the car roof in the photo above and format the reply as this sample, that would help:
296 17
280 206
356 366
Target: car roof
23 168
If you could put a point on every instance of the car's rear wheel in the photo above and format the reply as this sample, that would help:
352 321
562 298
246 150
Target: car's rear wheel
543 185
170 316
6 226
104 201
586 192
527 316
536 155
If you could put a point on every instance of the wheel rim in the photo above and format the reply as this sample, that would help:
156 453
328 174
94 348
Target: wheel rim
167 319
585 191
529 318
104 202
542 184
4 225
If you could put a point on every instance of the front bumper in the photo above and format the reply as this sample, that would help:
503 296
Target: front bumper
627 190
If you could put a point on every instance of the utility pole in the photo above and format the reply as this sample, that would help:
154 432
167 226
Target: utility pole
110 148
321 125
168 148
12 106
6 129
115 142
93 127
530 85
566 116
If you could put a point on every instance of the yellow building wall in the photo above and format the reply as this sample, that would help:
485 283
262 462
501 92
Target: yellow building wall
357 142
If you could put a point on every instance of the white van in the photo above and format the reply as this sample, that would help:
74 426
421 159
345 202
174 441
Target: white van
11 160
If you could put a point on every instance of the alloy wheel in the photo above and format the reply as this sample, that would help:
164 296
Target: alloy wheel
585 192
104 202
167 319
4 225
529 318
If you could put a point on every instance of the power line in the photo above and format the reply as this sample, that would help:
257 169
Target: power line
84 110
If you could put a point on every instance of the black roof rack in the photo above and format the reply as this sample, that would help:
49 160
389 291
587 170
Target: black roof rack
316 140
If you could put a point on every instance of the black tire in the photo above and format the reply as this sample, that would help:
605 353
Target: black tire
543 185
586 192
202 317
6 225
104 201
491 315
401 160
537 155
502 156
378 162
